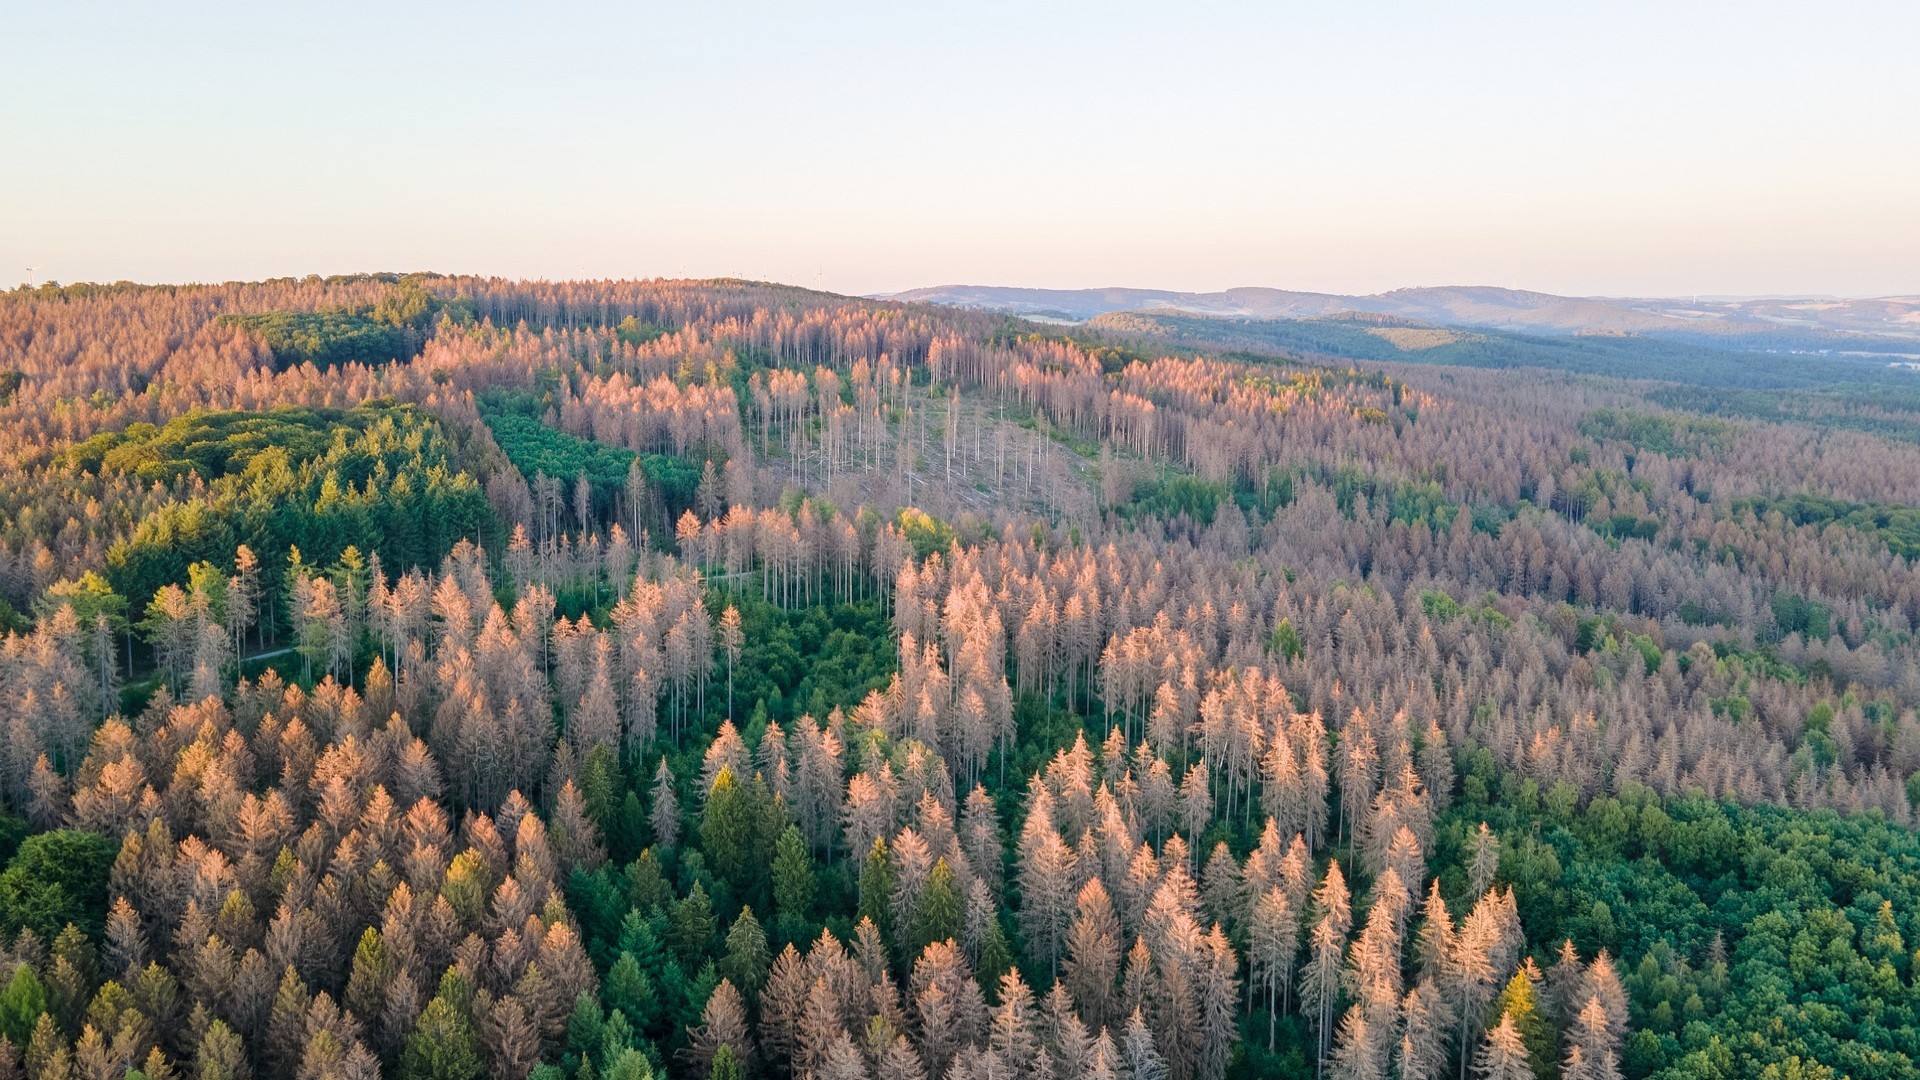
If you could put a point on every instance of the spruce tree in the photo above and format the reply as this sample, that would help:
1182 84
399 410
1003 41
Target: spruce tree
442 1046
747 958
876 888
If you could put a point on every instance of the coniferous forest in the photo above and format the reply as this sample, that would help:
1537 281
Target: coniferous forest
459 678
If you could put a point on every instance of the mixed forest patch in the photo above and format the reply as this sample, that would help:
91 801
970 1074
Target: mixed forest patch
710 679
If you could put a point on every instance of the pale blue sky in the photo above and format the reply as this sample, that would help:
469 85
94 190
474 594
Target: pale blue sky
1346 145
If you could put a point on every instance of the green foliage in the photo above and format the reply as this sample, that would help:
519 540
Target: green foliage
1285 641
876 888
54 879
1520 1001
1898 527
806 659
1273 492
536 448
1672 436
394 328
632 331
381 477
692 926
1408 502
630 990
793 884
1440 607
13 831
996 954
1749 937
925 532
1795 614
406 306
939 912
747 958
326 338
1170 495
1625 527
21 1004
630 1064
738 830
1844 397
89 595
442 1046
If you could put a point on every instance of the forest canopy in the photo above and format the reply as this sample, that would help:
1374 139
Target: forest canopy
377 476
719 680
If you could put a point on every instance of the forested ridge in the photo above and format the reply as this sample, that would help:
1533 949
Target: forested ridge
454 677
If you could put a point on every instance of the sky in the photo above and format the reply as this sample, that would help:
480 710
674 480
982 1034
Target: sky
1622 148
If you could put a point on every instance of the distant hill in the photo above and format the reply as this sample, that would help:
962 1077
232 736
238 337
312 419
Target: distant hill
1354 335
1799 324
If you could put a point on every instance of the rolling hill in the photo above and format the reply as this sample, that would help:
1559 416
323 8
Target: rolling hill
1782 324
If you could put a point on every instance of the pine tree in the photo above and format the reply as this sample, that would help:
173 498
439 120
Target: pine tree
692 924
666 807
782 1003
1273 943
1224 889
876 888
1320 981
793 883
21 1004
747 959
1359 762
1010 1032
1142 1055
1503 1055
1421 1053
371 970
1046 886
937 916
1486 861
1093 954
1355 1050
442 1045
1604 983
996 952
595 718
899 1061
1475 967
1068 1043
1332 901
1563 983
820 1030
48 1055
1219 993
950 1009
731 641
511 1038
286 1022
723 1023
1373 964
733 831
1593 1052
726 1066
1519 1000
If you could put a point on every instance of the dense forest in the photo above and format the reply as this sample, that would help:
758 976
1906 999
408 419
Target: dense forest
448 677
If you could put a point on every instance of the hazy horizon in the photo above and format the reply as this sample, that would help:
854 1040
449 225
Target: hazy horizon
888 294
1631 151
